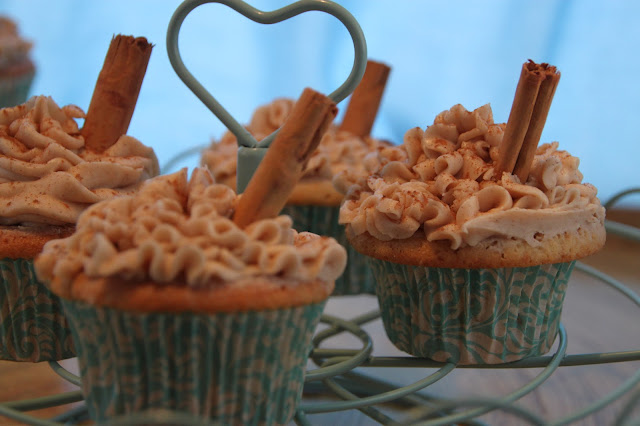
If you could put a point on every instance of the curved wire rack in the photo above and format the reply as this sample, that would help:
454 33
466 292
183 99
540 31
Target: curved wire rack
334 376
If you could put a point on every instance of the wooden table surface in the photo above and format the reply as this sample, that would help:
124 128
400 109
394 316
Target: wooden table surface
596 317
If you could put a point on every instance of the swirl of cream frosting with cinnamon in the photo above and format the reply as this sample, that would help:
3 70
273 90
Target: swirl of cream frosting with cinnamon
176 229
46 174
337 152
447 188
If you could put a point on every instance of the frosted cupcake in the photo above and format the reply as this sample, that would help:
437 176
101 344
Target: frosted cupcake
174 306
47 178
16 67
51 171
472 266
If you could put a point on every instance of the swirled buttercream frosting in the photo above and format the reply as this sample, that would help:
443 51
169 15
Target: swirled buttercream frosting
47 176
176 229
446 187
338 150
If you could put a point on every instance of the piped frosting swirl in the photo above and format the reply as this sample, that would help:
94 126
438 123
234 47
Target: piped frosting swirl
446 187
46 174
180 230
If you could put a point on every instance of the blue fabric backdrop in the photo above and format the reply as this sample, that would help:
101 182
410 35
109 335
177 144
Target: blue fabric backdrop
441 52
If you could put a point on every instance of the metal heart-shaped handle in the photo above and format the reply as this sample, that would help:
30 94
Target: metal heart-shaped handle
244 137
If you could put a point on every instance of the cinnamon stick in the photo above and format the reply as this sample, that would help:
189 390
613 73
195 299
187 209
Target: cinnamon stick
116 92
283 164
519 117
365 100
537 122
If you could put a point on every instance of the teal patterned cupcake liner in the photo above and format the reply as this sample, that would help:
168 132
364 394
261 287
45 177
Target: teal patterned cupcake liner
357 277
471 316
15 90
32 323
233 368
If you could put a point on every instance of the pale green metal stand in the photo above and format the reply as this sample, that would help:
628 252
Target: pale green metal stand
251 151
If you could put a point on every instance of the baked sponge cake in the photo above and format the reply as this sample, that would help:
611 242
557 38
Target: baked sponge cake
174 306
471 265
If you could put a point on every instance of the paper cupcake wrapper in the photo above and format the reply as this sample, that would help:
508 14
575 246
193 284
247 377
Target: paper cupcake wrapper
471 316
32 323
321 220
15 90
233 368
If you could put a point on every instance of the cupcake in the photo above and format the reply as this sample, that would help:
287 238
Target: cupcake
172 305
315 202
47 178
471 265
50 171
16 68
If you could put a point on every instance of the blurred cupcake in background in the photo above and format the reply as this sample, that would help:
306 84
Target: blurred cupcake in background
16 67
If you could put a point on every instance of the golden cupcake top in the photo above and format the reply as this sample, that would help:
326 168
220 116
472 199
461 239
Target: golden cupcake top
47 174
445 186
180 230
